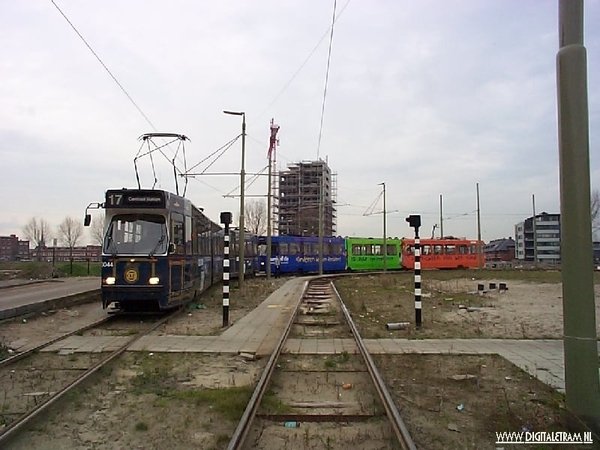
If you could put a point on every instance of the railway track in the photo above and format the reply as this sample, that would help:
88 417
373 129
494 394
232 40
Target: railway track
45 396
322 391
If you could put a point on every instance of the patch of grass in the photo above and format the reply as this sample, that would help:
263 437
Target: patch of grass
44 269
231 402
129 332
3 351
273 405
222 438
161 402
154 377
363 307
141 426
330 364
344 357
74 398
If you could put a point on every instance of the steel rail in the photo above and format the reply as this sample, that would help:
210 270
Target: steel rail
241 431
21 355
400 429
7 433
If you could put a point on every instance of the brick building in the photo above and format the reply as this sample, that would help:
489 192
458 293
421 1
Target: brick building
500 250
93 253
13 249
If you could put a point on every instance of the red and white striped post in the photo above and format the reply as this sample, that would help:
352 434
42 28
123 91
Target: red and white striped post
226 220
414 221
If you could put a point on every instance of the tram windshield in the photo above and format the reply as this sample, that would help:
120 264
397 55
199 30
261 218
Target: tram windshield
136 234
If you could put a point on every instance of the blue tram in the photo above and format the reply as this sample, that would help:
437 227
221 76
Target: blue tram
251 256
300 254
159 250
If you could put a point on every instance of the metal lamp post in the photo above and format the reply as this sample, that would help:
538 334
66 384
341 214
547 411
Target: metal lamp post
242 243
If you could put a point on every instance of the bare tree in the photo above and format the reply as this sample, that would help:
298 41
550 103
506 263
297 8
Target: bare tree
97 230
256 217
37 231
69 232
595 210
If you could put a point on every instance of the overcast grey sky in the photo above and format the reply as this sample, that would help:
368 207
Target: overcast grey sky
430 97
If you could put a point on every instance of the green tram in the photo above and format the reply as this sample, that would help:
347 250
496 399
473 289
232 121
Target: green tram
367 253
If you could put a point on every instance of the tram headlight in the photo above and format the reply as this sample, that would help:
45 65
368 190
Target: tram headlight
154 280
110 280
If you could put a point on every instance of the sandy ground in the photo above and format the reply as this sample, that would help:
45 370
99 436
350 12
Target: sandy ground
525 311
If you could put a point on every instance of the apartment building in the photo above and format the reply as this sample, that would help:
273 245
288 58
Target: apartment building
537 239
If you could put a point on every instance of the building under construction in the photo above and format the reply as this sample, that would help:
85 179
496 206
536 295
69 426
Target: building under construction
307 193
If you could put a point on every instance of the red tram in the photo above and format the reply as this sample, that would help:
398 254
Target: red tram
444 253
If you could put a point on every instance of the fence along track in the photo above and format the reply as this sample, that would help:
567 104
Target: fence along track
244 426
11 430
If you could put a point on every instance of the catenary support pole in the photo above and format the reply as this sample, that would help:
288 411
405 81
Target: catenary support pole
582 387
479 247
441 220
226 220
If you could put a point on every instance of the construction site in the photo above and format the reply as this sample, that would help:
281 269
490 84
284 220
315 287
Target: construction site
306 198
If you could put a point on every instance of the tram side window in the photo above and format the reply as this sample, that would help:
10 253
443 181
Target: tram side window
177 233
336 249
463 249
204 243
219 244
283 248
450 249
356 249
234 244
472 249
294 248
368 249
438 249
306 248
410 249
391 249
426 250
188 236
326 248
377 249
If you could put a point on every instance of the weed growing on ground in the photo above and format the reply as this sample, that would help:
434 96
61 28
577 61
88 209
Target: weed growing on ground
3 351
274 405
141 426
231 402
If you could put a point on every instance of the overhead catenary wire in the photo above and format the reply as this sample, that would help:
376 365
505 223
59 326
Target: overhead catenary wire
249 182
221 149
326 79
122 88
105 67
304 63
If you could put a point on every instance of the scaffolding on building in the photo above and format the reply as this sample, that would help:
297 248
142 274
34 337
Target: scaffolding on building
304 188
